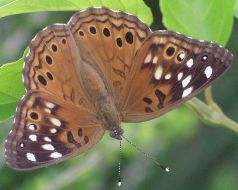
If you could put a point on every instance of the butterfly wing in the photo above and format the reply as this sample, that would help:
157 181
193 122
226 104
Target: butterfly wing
108 40
169 69
48 130
52 65
55 120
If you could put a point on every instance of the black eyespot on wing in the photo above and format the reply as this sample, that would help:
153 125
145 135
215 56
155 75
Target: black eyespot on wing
49 75
106 32
129 37
170 51
119 42
42 80
81 33
63 41
147 100
93 30
34 115
148 110
71 139
54 47
48 59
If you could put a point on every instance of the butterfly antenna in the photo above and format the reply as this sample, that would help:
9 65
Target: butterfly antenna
119 167
146 155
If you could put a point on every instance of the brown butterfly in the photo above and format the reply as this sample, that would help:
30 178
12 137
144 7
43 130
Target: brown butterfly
102 68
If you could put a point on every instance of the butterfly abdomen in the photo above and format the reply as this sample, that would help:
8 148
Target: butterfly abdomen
100 96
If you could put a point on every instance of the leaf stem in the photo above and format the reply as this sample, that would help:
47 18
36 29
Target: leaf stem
212 114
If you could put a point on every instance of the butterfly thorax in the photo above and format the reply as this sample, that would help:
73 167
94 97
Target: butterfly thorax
98 93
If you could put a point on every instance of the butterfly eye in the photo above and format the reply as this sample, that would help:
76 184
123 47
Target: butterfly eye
204 58
181 56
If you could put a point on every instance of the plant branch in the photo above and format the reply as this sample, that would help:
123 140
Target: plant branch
212 113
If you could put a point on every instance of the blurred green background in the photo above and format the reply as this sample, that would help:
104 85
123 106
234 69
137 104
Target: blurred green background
200 157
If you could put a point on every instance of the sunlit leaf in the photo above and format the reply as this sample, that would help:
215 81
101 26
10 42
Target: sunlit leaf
136 7
236 9
11 88
202 19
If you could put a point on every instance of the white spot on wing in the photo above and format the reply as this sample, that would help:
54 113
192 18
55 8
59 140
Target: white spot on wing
181 55
189 63
208 71
49 105
21 145
155 60
186 81
31 127
148 58
53 130
158 73
168 76
47 139
31 157
47 110
187 92
180 75
33 137
55 122
47 147
55 155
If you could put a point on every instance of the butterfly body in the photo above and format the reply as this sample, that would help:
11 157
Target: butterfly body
102 68
104 105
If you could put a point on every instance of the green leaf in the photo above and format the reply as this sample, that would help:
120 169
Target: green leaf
11 88
235 13
136 7
202 19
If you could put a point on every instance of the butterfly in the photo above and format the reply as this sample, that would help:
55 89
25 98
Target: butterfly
102 68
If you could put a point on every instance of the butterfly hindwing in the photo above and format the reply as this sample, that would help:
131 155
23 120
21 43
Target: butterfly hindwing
47 130
170 69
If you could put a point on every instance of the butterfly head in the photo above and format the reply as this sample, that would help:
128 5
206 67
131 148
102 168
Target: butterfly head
116 132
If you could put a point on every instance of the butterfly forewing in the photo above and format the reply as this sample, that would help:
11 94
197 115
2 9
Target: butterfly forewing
169 69
52 65
108 40
48 130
